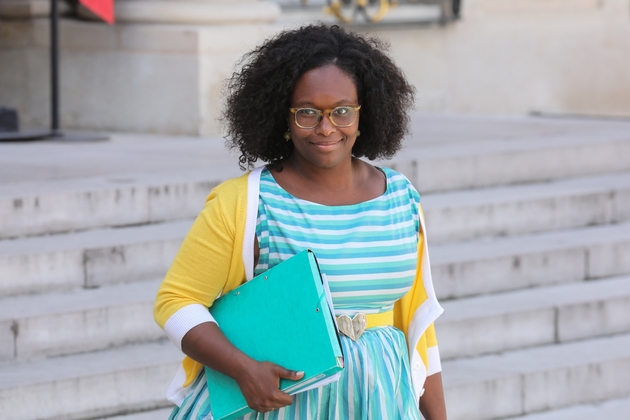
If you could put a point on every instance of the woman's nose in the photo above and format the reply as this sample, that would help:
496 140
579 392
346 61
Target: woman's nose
325 126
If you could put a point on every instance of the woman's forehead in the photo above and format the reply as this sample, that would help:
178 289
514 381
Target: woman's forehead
327 84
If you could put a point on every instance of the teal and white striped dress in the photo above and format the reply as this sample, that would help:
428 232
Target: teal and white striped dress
368 252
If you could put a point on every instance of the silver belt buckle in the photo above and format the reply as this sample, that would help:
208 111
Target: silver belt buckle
352 327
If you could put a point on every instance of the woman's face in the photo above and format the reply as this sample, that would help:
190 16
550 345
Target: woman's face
325 145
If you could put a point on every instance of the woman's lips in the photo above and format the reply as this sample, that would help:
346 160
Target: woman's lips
326 145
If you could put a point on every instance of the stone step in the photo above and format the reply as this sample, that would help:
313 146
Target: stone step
450 152
89 385
34 326
518 209
607 410
618 409
503 264
35 208
538 379
161 414
90 258
100 257
134 378
80 320
533 317
48 189
452 216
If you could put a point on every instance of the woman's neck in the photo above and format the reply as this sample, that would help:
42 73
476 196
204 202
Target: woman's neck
347 184
339 178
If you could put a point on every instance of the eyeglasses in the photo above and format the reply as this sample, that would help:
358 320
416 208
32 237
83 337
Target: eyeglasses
342 116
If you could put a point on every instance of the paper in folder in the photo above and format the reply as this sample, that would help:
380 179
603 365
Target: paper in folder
282 316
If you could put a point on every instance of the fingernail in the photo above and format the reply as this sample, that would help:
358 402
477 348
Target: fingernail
300 373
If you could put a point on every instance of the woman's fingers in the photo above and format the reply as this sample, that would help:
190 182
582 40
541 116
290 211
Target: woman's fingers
282 397
261 387
288 374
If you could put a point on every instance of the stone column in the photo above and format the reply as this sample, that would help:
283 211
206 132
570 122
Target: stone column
209 36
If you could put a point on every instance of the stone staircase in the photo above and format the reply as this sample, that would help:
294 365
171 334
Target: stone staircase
529 233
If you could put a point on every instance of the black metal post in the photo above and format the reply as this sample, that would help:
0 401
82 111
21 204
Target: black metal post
55 132
54 69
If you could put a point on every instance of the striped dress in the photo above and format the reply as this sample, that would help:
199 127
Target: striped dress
368 252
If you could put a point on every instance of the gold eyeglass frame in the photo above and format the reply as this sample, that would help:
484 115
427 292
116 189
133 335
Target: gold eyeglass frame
321 112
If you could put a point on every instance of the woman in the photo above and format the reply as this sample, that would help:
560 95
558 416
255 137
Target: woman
311 102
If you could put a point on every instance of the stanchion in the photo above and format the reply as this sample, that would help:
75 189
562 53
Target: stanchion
55 133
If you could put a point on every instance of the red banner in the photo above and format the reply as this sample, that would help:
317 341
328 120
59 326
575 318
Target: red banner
101 8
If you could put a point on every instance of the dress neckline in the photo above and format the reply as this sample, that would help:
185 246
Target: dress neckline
266 171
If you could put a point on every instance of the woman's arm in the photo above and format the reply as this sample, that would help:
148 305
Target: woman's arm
432 404
210 261
259 381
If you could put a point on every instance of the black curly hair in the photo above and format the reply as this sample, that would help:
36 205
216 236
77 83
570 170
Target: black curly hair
258 97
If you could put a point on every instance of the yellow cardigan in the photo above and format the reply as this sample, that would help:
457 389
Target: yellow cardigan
217 256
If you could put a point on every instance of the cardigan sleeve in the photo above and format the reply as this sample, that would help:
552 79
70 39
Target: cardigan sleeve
415 313
428 349
202 268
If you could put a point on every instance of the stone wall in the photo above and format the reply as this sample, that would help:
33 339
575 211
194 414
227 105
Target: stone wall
518 56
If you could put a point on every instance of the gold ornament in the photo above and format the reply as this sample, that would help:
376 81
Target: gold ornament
352 327
287 135
358 133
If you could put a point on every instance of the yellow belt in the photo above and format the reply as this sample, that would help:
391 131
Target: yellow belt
380 320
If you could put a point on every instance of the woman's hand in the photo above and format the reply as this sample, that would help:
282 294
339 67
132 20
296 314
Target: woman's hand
260 382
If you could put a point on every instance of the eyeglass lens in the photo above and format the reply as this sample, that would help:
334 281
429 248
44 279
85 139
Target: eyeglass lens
342 116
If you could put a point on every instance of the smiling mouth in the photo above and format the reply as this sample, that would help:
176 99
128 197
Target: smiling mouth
327 145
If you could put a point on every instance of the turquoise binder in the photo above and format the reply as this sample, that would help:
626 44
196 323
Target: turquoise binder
281 316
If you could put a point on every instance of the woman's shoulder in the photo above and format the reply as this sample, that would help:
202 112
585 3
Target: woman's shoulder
226 204
393 174
397 182
233 185
230 193
235 188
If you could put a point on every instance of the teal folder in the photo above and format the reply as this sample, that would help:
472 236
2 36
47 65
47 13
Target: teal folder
282 316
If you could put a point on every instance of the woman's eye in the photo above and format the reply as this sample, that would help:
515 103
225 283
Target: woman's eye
341 111
309 112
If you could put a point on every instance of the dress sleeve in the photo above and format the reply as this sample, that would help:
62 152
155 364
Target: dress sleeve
199 272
